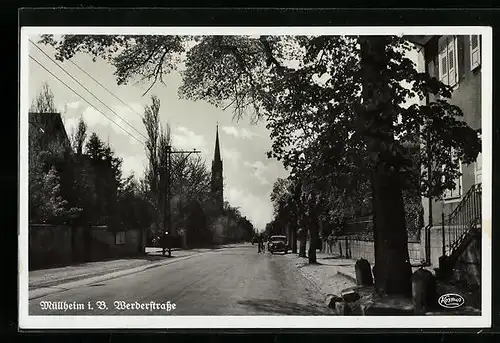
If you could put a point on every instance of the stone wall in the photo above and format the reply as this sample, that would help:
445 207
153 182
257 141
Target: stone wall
51 245
105 243
364 247
467 268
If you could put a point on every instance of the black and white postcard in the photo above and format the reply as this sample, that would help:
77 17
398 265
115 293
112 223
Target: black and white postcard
255 177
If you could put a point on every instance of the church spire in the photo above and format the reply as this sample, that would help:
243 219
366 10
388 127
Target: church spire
217 148
217 174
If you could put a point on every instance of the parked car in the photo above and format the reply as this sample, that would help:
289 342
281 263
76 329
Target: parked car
277 244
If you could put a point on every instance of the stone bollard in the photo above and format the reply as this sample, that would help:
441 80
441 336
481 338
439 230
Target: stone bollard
363 273
342 309
350 295
424 294
332 300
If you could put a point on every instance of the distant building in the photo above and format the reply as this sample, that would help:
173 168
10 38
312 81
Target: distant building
49 127
47 133
217 183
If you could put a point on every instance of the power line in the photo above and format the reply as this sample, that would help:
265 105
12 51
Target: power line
100 84
57 78
64 70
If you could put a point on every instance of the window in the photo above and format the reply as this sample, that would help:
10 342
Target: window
475 51
448 62
455 193
120 238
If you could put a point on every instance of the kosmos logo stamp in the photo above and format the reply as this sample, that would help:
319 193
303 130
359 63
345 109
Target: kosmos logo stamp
451 300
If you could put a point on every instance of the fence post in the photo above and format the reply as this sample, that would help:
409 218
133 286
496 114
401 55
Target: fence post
443 234
346 247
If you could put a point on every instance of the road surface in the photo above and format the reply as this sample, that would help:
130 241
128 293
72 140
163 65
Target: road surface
229 281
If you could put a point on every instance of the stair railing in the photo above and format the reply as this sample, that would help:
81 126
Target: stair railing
464 218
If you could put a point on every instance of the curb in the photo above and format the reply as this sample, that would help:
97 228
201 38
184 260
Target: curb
43 291
347 275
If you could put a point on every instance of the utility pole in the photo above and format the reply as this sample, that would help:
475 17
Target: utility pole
168 210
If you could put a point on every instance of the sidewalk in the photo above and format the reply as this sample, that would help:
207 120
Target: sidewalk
56 276
331 275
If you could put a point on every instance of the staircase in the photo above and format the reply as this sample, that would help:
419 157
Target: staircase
460 228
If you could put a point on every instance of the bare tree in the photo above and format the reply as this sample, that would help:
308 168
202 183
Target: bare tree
44 101
151 121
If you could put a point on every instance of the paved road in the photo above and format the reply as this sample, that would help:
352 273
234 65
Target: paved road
230 281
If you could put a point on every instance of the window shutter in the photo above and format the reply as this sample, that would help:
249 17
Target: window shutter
448 62
452 61
443 67
475 51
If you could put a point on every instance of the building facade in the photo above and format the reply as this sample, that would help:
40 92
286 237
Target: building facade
455 61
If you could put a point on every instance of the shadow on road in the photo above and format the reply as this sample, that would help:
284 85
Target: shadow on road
278 307
338 265
236 246
156 257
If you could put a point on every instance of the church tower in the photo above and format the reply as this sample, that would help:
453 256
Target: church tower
217 176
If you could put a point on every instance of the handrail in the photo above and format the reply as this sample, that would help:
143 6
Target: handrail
462 220
472 190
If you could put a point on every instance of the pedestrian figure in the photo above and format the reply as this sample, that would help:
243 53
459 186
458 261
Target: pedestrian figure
329 242
259 243
164 242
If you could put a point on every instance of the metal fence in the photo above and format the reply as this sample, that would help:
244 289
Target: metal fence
363 246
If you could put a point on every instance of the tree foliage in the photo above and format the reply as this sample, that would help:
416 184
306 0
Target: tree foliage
44 102
79 136
48 203
336 110
308 88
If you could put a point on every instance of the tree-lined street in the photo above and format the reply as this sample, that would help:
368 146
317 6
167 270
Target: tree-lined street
229 281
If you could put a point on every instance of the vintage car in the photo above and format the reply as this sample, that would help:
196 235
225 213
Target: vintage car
277 244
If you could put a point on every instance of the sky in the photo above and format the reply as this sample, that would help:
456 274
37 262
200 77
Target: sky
248 173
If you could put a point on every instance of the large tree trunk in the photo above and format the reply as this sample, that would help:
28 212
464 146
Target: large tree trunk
313 241
294 238
302 241
393 270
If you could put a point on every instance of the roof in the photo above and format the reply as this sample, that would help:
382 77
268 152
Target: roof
50 125
419 40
